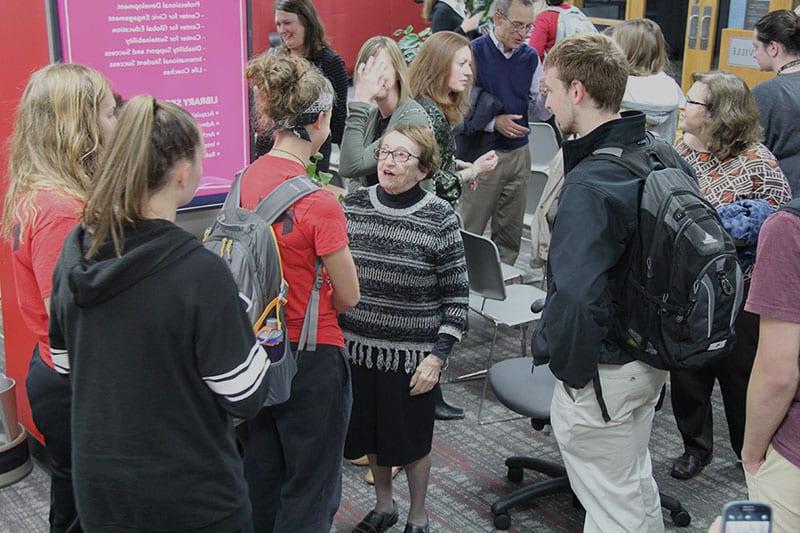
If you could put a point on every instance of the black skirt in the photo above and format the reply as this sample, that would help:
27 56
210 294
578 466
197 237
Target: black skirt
386 420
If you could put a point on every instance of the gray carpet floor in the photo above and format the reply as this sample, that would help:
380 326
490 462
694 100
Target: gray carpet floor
468 465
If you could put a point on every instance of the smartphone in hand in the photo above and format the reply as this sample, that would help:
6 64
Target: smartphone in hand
746 517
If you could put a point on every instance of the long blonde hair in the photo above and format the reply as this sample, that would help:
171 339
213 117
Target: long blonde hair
643 44
56 142
151 136
430 74
373 46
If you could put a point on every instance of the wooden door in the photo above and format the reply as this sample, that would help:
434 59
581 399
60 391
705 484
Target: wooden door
700 38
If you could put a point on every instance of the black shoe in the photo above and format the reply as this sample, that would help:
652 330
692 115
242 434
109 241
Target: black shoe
688 466
376 522
411 528
443 410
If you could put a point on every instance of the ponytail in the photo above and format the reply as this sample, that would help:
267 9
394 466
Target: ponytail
151 136
781 26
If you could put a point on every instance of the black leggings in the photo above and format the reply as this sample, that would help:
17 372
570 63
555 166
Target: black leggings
50 397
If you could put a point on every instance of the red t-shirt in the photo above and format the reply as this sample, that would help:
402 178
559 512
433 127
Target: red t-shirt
318 229
545 28
34 257
775 292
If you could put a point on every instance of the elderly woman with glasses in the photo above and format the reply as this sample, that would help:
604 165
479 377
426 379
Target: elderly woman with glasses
414 294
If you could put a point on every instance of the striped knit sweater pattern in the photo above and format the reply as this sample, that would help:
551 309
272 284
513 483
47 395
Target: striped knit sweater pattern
413 280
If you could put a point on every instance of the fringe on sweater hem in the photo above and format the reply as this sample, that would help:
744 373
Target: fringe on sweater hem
385 359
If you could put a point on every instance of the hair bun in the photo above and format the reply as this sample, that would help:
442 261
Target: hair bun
287 86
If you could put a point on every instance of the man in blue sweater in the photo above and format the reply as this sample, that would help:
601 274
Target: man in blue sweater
507 74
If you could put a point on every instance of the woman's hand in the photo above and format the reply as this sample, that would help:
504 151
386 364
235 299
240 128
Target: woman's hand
461 165
471 23
426 376
371 78
485 163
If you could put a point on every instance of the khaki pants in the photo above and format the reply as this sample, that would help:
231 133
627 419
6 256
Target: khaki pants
608 463
777 483
500 196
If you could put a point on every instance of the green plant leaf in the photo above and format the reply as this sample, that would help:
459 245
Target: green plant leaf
397 32
409 28
425 33
325 177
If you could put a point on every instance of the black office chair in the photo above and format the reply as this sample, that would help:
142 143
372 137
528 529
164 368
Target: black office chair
528 392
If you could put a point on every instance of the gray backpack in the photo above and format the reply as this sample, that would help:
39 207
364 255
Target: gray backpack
245 240
571 21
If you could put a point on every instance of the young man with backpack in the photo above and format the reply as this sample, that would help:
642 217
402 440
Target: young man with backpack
556 22
604 401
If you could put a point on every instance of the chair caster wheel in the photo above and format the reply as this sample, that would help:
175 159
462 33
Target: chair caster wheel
502 521
680 518
515 474
538 425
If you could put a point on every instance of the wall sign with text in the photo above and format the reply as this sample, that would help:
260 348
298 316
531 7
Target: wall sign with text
190 52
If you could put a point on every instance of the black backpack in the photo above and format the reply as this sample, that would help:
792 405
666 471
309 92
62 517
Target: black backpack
683 287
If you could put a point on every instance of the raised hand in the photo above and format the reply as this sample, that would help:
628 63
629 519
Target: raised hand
371 79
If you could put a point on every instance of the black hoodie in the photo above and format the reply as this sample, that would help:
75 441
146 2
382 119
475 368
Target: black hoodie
160 353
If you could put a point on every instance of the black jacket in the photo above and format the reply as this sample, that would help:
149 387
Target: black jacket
472 141
160 354
444 18
596 218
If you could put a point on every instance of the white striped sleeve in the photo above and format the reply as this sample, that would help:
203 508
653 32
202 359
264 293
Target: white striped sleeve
60 360
243 380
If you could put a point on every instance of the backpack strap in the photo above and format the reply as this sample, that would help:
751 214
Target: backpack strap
308 334
233 200
615 155
284 196
270 209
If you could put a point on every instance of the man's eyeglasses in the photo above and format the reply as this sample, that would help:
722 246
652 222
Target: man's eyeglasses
398 156
520 28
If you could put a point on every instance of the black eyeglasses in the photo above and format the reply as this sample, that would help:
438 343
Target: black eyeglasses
398 156
520 28
695 102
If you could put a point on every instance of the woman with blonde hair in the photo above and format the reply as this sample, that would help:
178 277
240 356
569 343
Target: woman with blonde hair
381 78
736 174
410 261
293 451
63 121
650 89
159 349
441 79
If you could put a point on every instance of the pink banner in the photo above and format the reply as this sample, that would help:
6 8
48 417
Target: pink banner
192 53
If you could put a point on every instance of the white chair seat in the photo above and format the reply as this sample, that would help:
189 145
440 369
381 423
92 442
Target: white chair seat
510 272
514 311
